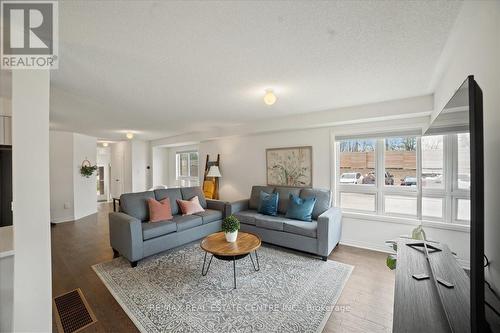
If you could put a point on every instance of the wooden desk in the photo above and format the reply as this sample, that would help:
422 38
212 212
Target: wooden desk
424 306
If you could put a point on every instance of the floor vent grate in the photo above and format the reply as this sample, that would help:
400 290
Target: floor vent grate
73 312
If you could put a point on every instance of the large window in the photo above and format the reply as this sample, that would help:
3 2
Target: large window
409 176
187 168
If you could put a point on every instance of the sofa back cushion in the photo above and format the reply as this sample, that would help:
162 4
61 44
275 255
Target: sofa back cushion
191 192
255 195
136 204
300 209
323 200
173 194
268 204
191 206
159 210
284 193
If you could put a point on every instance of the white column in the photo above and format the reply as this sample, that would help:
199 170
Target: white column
30 159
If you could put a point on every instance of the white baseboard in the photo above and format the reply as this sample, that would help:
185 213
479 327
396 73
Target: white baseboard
366 245
62 219
382 248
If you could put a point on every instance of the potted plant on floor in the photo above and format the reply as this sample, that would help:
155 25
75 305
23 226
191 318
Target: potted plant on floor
230 227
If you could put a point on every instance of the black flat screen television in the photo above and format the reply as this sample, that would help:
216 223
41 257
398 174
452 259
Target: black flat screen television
464 114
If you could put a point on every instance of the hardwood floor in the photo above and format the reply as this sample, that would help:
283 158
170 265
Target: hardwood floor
365 305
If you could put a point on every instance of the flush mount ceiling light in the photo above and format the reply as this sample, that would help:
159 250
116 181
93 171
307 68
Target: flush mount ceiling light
130 135
270 97
105 144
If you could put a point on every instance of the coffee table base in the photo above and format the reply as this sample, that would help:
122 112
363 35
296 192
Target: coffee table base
233 259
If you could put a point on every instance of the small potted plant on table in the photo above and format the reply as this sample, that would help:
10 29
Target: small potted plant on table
230 227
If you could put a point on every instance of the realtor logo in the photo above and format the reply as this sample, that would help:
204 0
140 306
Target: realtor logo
29 33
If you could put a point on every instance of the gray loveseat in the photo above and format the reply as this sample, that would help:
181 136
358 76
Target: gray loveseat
318 237
133 238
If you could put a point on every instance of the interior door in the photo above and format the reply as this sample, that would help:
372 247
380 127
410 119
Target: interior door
102 190
117 174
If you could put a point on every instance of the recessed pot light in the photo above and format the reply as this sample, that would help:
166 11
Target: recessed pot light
130 135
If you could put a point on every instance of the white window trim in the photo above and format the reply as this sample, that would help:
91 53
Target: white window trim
449 194
189 179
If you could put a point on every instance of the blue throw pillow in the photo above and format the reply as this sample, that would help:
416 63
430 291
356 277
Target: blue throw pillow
300 209
268 204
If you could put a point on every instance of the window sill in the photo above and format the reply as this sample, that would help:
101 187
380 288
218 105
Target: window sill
407 221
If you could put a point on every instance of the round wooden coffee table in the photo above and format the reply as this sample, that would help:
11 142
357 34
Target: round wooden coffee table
216 244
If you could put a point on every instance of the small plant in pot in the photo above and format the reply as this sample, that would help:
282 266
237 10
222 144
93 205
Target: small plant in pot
230 227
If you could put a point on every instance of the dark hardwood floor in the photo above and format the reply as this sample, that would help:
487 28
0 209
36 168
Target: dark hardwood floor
365 305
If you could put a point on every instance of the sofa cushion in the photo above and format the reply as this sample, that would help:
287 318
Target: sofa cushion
190 192
156 229
159 210
136 204
284 193
323 200
173 194
247 216
185 222
210 215
270 222
253 203
308 229
268 204
300 209
191 206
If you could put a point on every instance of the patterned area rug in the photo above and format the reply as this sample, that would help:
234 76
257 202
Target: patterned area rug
167 293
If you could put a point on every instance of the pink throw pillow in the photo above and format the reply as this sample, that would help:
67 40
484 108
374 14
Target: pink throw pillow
191 206
159 210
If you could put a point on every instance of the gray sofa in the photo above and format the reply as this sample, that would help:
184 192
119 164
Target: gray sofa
317 237
133 238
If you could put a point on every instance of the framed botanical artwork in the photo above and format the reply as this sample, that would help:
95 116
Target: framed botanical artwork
289 166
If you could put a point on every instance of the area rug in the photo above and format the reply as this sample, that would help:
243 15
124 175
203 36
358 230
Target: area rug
166 293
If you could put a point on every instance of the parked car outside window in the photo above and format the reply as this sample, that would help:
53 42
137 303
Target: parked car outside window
351 178
409 181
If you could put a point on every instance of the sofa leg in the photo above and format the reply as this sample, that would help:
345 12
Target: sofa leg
116 254
324 258
133 263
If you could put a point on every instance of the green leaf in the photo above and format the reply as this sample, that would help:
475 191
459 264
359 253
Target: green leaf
391 261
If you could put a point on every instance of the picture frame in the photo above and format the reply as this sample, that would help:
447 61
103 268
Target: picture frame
289 166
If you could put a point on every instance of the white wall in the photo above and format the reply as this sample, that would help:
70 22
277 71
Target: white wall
474 48
85 193
160 166
61 177
71 195
140 161
31 193
243 159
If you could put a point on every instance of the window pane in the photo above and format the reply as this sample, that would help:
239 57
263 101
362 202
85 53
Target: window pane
463 161
357 161
463 209
432 207
432 162
358 201
194 164
398 204
401 161
183 165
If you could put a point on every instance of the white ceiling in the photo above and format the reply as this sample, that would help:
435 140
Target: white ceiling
165 68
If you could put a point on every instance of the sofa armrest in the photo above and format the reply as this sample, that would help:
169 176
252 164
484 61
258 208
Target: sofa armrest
329 230
125 235
218 205
237 206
